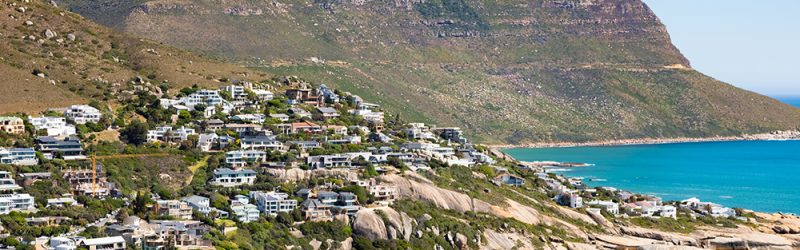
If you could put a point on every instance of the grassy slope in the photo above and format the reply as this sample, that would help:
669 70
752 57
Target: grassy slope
526 71
86 68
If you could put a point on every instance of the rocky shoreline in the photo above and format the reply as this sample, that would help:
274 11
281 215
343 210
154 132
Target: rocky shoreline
777 135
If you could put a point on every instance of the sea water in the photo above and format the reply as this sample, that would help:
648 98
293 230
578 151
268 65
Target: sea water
758 175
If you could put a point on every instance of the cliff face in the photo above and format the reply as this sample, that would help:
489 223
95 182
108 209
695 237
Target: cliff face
508 71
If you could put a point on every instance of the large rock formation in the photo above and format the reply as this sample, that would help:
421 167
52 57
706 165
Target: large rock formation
383 224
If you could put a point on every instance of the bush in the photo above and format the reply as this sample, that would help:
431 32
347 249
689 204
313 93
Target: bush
323 230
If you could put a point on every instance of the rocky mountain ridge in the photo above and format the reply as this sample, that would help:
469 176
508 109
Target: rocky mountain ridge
508 71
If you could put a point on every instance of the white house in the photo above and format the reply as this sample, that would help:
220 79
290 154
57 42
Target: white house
168 134
7 182
15 202
260 143
244 211
105 243
240 158
55 126
608 206
81 114
199 203
272 203
227 177
250 118
61 202
18 156
237 92
264 95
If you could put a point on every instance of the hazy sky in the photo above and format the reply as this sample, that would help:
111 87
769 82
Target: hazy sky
748 43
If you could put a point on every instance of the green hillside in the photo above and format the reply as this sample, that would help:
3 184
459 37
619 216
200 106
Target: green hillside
508 71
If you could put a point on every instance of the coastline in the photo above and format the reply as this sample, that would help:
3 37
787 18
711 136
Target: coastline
777 135
497 150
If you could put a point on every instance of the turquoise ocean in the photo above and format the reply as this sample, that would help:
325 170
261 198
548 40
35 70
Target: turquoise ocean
759 175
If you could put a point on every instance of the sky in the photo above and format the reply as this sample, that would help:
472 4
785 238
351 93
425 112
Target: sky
753 44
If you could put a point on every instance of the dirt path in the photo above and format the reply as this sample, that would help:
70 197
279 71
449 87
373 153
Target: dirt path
193 168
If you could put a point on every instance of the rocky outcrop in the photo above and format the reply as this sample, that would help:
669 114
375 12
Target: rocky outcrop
497 240
383 224
658 235
296 174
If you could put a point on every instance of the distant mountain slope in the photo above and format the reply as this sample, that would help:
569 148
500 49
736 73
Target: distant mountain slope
52 58
509 71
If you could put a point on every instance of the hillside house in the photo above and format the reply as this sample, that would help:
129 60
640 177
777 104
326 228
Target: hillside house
12 125
272 203
280 117
105 243
168 134
315 210
173 208
325 113
53 126
244 211
7 182
261 143
509 179
241 158
69 149
16 202
81 114
227 177
329 161
18 156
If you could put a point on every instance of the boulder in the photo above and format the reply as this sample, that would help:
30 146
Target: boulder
462 242
369 224
71 37
49 33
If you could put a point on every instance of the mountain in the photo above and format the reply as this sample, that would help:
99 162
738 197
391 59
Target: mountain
508 71
52 58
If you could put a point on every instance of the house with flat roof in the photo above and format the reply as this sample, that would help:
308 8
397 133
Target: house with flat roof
383 193
12 125
306 144
244 129
335 129
82 114
53 126
210 141
249 118
325 113
65 201
298 127
173 208
329 161
7 182
16 202
261 142
227 177
240 158
509 179
168 134
69 148
280 117
18 156
272 203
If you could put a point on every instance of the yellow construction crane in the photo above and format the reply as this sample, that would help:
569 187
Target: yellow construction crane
94 164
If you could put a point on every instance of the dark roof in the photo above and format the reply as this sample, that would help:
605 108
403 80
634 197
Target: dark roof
313 203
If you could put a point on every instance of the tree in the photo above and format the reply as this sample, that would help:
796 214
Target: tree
135 133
